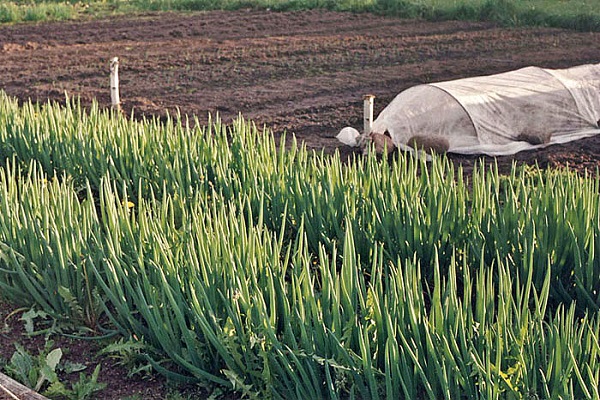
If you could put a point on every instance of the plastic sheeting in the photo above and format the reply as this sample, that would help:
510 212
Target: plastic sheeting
493 114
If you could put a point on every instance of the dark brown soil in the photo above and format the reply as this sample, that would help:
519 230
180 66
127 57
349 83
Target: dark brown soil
86 352
120 382
300 72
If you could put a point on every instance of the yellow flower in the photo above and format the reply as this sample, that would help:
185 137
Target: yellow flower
129 204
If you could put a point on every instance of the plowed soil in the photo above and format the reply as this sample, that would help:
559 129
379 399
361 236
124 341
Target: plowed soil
300 72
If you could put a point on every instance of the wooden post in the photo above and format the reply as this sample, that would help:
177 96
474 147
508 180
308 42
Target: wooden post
368 100
14 390
114 84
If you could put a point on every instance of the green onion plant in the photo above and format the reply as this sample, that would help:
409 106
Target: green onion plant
279 272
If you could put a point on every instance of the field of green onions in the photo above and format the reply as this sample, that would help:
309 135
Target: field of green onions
282 273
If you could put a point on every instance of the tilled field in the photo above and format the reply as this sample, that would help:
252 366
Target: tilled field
300 72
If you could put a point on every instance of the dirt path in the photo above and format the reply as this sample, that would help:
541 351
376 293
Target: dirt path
304 72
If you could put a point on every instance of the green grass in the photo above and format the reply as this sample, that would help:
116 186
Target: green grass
43 11
572 14
288 274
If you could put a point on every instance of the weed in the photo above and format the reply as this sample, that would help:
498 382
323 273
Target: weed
84 389
40 373
35 371
129 354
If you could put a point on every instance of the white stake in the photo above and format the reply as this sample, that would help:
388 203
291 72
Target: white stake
114 84
368 113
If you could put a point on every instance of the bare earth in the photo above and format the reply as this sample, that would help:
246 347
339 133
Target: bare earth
300 72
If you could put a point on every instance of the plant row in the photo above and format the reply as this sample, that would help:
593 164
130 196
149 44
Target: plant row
282 273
